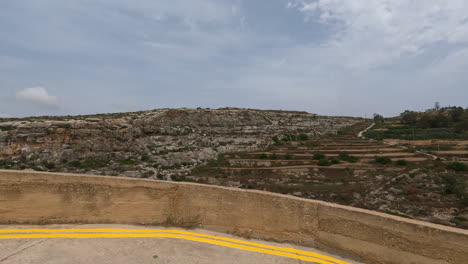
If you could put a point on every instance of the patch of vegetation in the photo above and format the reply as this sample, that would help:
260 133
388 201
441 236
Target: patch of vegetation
378 119
87 164
345 156
459 219
319 156
401 163
324 162
416 133
335 161
66 126
344 131
6 164
293 137
263 156
312 144
436 123
179 178
222 160
7 128
457 166
48 165
273 156
145 158
128 162
382 160
288 156
277 141
303 137
457 186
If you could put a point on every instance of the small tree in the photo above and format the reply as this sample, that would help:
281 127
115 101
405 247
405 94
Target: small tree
378 119
409 118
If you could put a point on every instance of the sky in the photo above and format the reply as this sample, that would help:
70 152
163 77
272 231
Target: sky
331 57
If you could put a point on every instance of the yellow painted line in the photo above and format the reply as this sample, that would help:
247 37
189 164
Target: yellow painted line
120 230
191 238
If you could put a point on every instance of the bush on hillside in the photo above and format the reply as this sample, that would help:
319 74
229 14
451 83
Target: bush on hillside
319 156
346 157
457 166
324 162
382 160
401 162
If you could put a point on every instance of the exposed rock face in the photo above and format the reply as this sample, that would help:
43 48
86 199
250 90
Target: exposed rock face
157 143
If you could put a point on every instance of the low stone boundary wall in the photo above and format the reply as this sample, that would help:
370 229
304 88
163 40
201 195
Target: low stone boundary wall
49 198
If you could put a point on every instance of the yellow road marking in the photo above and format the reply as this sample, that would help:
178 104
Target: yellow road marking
309 256
197 239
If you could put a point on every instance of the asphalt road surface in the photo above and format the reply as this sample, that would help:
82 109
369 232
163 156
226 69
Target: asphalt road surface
63 244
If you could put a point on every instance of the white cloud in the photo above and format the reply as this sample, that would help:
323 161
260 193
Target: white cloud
4 115
37 95
379 32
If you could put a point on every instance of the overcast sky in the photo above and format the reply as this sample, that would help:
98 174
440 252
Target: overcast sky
334 57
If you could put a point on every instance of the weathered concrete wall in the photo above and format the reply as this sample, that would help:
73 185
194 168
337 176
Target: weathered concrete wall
46 198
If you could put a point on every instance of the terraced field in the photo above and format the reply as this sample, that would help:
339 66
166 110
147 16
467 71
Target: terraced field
380 175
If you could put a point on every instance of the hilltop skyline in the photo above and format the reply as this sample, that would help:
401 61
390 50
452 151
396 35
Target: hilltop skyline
347 58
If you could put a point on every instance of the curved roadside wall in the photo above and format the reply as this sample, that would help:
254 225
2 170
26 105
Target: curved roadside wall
48 198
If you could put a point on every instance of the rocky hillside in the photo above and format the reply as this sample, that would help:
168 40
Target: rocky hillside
158 144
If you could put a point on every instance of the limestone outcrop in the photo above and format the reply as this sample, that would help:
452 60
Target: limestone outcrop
157 143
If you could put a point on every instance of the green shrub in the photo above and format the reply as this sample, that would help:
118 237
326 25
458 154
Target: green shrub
288 156
382 160
324 162
303 137
454 185
401 162
277 141
290 137
263 156
4 164
273 156
319 156
460 218
335 161
48 165
75 163
346 157
457 166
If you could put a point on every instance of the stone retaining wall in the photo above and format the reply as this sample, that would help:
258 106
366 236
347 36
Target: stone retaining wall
47 198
